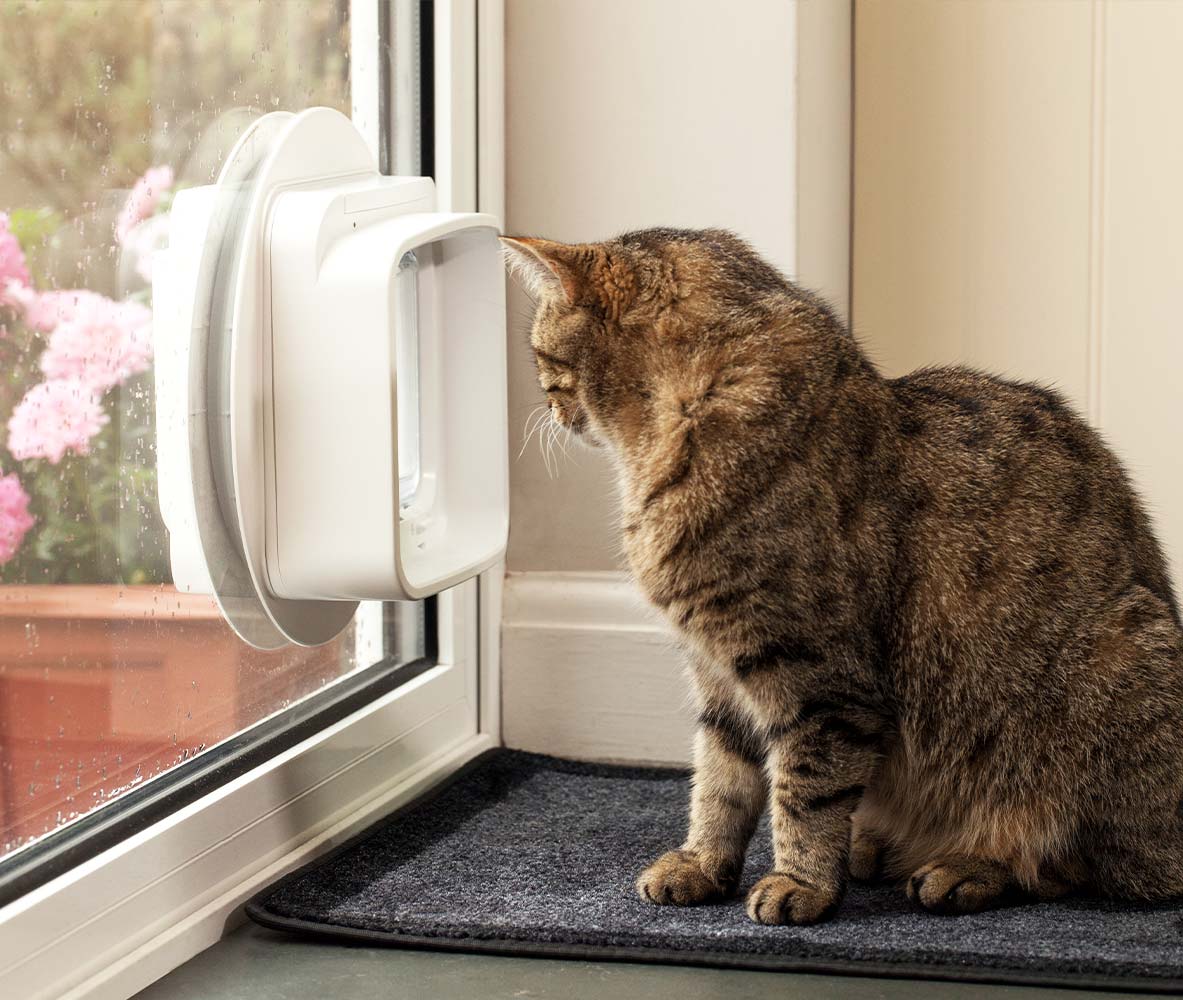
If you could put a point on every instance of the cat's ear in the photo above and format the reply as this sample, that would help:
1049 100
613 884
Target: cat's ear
544 267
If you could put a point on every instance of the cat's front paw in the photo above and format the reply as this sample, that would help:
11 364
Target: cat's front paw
683 878
784 899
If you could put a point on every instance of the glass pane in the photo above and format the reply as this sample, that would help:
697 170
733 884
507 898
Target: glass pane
108 674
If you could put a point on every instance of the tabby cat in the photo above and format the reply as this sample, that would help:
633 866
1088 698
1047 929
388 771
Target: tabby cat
927 618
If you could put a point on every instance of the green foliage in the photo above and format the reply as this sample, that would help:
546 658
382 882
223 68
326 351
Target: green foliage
92 93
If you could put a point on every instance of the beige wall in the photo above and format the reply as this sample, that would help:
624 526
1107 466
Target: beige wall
1018 206
971 185
1139 307
622 114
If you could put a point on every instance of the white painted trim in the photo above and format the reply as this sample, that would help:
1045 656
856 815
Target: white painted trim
489 624
455 105
405 127
589 671
364 75
490 198
579 600
490 151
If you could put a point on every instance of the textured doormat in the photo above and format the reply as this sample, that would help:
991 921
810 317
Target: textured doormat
528 855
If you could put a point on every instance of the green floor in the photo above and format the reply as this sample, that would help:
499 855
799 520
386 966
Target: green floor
255 964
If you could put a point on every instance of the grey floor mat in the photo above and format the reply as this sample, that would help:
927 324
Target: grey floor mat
525 854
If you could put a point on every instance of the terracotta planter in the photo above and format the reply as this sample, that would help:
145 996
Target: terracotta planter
102 687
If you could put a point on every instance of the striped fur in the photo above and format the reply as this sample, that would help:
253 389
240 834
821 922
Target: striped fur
931 627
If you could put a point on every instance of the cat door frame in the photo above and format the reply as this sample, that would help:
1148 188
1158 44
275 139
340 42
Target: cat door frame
119 920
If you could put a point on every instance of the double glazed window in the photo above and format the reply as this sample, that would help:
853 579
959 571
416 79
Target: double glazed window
116 688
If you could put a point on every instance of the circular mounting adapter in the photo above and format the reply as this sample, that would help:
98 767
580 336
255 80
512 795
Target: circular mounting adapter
228 380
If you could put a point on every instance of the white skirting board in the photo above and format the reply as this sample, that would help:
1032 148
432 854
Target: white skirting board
589 672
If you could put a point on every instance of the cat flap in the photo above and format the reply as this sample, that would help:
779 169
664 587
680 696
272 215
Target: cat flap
332 414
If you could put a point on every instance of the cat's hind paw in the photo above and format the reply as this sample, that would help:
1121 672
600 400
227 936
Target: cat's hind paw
958 885
867 852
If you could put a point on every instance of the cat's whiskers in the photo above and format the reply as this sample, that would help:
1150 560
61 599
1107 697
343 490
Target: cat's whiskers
533 425
565 441
558 434
552 465
540 421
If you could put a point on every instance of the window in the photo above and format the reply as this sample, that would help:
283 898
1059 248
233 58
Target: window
109 676
301 747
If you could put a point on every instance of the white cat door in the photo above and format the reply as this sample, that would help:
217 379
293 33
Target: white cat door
323 340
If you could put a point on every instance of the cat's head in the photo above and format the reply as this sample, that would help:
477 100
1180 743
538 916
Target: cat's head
641 329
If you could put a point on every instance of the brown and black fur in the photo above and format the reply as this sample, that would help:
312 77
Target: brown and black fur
928 621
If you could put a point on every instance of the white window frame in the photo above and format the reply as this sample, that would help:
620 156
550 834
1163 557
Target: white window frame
116 923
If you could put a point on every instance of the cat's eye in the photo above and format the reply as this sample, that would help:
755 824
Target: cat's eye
552 360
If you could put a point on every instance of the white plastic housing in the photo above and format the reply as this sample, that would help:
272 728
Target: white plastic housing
298 298
173 306
338 309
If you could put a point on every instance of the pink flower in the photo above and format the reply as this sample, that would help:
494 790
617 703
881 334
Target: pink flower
94 340
13 293
16 296
55 417
12 257
142 201
14 273
45 310
143 242
15 519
